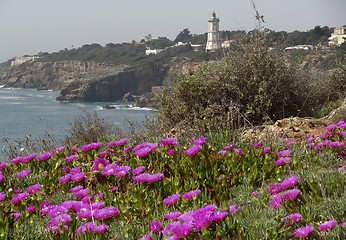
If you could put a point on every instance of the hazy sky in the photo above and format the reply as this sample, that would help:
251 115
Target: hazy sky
32 26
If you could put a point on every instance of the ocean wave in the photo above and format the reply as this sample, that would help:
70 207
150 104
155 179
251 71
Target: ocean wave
123 107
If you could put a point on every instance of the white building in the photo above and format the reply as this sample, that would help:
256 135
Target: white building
213 40
338 37
20 60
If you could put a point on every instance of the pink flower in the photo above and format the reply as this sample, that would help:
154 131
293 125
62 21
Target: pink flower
28 158
326 226
66 169
77 176
155 177
218 216
169 142
310 139
182 230
254 193
141 178
81 193
172 215
234 208
170 152
331 127
16 215
155 226
172 199
239 151
71 158
291 194
76 189
99 229
44 156
266 150
19 197
2 196
274 188
285 153
191 194
295 217
257 144
16 160
200 141
3 165
229 147
303 231
289 182
276 201
109 170
143 152
145 237
33 188
65 178
30 209
122 171
138 170
283 160
23 173
193 150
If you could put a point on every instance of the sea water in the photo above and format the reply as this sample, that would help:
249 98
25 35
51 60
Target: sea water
36 113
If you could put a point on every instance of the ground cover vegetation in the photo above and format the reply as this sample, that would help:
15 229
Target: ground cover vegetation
208 184
205 188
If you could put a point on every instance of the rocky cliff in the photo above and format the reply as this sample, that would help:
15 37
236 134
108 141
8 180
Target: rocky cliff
85 81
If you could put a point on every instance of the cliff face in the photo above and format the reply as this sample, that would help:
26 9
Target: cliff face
47 75
85 81
108 86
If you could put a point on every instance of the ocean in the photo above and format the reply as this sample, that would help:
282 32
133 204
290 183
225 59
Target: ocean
34 112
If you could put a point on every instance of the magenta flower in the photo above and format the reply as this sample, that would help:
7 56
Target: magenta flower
239 151
16 160
344 224
155 226
276 201
121 142
266 150
291 194
182 230
229 147
75 170
295 217
71 158
28 158
85 227
143 152
141 178
66 169
303 231
234 208
65 178
193 150
172 215
109 170
2 196
285 153
31 208
155 177
145 237
289 142
169 142
44 156
17 198
310 145
1 177
283 160
126 150
99 229
257 144
172 199
191 194
33 188
81 193
310 139
254 193
138 170
17 190
218 216
16 215
122 171
77 176
326 226
331 127
86 199
99 164
24 173
76 189
170 152
3 165
289 182
274 188
200 141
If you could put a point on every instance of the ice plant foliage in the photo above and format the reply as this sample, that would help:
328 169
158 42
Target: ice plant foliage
173 195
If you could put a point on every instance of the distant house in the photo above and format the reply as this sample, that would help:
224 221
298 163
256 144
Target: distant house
227 44
153 51
338 37
20 60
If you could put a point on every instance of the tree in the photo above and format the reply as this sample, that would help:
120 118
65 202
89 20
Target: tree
183 36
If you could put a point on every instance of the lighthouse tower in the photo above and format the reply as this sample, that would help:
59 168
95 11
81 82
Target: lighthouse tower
213 40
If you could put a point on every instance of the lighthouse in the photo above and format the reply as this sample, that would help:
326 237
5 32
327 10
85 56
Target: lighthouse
213 40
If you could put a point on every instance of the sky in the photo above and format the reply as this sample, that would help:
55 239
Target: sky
28 27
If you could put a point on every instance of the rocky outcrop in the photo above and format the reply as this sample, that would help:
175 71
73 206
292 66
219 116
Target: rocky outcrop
110 86
48 75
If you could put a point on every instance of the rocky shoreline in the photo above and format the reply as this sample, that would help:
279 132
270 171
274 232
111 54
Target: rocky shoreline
88 81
